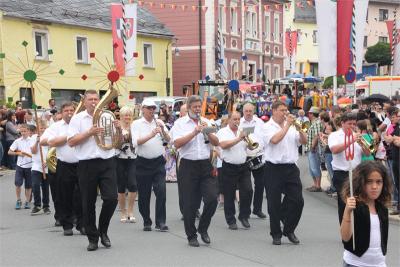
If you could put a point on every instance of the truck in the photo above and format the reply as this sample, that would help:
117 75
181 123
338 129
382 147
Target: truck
385 85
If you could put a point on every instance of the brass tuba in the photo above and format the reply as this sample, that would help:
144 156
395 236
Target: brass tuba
111 137
51 158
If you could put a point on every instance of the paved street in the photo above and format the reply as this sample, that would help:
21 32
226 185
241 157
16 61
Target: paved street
33 240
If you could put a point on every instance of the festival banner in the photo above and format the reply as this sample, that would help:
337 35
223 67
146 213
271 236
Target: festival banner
361 9
291 50
124 33
344 20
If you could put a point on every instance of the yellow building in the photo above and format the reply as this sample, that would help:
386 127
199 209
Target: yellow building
62 38
303 19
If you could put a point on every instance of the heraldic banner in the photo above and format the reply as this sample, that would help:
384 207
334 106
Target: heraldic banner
124 33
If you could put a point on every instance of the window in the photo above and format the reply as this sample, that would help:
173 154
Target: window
365 41
277 74
383 39
234 27
234 70
299 35
267 27
276 28
314 37
81 49
254 24
148 55
25 95
222 18
251 71
63 95
251 24
41 45
301 67
383 14
267 72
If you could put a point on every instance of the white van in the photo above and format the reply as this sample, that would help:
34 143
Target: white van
171 101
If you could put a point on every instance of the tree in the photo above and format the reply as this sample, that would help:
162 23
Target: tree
328 82
379 53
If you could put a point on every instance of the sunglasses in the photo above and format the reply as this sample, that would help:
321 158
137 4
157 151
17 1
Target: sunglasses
150 107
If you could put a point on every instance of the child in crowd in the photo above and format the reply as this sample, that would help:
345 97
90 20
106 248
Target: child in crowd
372 187
21 148
38 182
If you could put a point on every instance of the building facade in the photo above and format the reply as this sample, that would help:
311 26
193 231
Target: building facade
228 39
63 36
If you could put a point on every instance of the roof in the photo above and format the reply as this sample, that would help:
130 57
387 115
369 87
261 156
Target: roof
306 14
84 13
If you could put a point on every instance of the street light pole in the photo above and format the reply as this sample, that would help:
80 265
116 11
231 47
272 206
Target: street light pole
167 79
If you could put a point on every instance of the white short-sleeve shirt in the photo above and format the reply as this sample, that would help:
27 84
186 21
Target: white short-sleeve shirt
235 154
153 148
195 149
24 145
89 149
286 151
36 160
65 153
339 162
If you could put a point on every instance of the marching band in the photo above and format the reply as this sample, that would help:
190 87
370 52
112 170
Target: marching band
98 154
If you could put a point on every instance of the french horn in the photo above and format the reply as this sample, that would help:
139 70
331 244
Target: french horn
51 158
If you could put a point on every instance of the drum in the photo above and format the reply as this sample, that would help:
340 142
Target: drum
255 162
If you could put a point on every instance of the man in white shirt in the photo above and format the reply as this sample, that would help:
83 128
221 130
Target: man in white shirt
151 136
282 176
250 120
340 165
235 172
195 170
66 172
96 168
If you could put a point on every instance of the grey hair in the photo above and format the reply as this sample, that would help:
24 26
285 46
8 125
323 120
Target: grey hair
191 99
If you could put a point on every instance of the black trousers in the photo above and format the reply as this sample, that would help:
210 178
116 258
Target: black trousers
197 183
180 192
150 174
95 173
126 175
259 186
55 193
68 178
339 177
40 189
236 176
283 179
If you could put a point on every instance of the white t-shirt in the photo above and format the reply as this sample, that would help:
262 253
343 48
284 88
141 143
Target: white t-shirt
36 161
235 154
24 145
339 162
286 151
373 257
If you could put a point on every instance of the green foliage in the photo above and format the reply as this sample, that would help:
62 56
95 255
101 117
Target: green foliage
328 82
379 53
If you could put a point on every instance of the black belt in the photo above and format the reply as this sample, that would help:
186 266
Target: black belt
236 165
195 160
280 164
96 159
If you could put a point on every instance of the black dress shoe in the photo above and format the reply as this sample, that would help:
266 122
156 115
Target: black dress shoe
82 230
92 246
292 238
233 226
205 238
276 241
105 240
245 223
260 214
193 242
147 228
162 228
68 232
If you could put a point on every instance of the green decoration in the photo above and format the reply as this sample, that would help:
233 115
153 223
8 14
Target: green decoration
61 71
30 76
25 43
2 55
10 99
50 51
34 106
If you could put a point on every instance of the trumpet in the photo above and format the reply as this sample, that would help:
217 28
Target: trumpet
251 145
162 134
302 127
206 141
365 144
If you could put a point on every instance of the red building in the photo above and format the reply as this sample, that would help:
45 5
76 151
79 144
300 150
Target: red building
229 39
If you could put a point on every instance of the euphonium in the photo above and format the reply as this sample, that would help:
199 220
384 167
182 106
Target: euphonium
51 158
103 118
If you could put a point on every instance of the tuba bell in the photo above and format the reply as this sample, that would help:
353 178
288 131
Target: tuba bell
111 137
51 158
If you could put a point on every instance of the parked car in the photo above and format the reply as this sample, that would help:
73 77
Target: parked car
171 101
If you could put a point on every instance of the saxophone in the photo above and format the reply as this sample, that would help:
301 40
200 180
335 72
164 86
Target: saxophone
111 137
51 158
